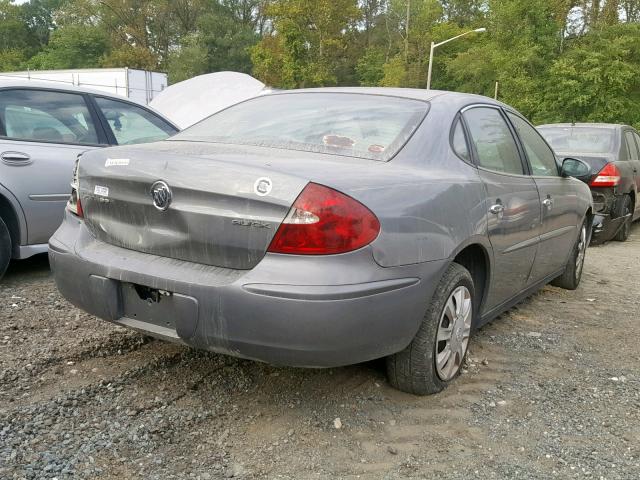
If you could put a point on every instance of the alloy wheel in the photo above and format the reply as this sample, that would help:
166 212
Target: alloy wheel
454 330
582 250
626 227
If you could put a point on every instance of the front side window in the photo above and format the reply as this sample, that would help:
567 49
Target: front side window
46 116
494 144
131 124
366 126
541 157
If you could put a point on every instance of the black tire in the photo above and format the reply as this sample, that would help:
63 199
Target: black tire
572 275
5 248
624 207
414 370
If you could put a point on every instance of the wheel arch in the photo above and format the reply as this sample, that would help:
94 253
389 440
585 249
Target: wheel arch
475 256
12 216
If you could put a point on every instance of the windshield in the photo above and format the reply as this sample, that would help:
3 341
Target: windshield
580 139
366 126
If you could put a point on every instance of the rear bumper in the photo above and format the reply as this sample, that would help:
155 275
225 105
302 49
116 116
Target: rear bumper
605 227
288 310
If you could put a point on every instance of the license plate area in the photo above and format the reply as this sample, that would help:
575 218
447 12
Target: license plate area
160 308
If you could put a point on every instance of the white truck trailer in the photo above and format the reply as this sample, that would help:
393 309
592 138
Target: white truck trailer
138 85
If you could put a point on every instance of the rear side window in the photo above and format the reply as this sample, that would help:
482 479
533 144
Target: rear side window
541 157
459 142
46 116
637 139
493 141
373 127
131 124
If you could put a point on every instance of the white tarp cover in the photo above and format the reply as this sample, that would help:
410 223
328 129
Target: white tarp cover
188 102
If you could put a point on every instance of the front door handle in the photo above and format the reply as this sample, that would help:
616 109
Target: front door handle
15 158
496 209
548 202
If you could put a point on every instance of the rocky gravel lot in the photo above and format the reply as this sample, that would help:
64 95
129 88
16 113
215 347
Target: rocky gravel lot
551 390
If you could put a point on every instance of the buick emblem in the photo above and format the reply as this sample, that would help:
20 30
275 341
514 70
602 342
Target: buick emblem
161 194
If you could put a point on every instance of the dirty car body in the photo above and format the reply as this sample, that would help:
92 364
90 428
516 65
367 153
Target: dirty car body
613 152
200 239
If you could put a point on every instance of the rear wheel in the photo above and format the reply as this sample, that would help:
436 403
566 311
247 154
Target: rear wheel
572 275
5 247
435 356
623 209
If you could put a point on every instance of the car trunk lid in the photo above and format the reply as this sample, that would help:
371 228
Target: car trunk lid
596 161
214 210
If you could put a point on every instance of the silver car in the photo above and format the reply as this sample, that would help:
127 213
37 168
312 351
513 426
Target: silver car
326 227
44 126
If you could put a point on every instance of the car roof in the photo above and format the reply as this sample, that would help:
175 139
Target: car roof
606 126
15 81
411 93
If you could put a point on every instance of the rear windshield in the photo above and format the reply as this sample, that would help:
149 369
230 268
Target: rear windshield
580 139
354 125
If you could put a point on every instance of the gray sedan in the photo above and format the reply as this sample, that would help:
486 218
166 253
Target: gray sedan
44 126
318 228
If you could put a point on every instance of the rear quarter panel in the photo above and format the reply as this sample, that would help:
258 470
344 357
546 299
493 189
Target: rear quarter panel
430 203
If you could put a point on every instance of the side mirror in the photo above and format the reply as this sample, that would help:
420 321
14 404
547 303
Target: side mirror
572 167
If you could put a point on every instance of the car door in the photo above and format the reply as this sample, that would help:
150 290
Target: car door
42 133
128 123
559 202
513 204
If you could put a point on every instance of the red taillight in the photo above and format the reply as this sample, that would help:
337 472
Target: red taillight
323 221
79 211
74 205
609 176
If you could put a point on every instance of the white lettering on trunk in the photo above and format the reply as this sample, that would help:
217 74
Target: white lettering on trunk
116 162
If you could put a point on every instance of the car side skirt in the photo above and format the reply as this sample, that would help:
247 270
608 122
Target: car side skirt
493 313
26 251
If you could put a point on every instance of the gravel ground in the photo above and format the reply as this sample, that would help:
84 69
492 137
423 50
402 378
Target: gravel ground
551 390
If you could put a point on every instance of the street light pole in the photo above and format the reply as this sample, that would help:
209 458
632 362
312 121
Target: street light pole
436 45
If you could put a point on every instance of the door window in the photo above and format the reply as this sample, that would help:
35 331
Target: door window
46 116
632 148
541 157
131 124
637 139
459 142
493 141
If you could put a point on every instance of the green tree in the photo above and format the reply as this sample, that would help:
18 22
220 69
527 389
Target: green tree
38 17
307 44
14 32
597 79
370 67
522 41
72 47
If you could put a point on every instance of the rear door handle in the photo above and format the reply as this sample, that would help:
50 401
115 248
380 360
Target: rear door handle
548 202
15 158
